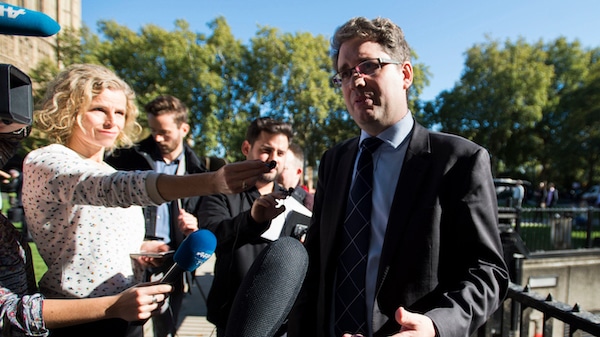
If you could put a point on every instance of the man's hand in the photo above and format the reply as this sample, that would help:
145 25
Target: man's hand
187 222
266 207
414 325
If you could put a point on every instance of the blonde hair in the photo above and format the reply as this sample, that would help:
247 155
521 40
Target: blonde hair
72 91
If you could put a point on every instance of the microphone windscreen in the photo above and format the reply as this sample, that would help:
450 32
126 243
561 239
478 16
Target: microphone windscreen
269 290
195 249
16 20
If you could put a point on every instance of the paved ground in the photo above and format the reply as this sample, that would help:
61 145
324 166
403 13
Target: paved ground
193 321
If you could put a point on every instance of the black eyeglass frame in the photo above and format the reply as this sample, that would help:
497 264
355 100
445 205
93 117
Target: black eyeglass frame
337 80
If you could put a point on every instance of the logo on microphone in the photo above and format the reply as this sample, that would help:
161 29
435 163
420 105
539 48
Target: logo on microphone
11 12
202 256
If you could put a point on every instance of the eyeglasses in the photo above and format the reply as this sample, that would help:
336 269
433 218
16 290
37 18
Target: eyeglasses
366 67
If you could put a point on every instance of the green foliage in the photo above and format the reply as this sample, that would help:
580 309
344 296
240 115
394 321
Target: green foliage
528 105
534 106
39 266
499 99
225 83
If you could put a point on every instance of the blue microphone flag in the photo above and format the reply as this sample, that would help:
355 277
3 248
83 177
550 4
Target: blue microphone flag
16 20
195 249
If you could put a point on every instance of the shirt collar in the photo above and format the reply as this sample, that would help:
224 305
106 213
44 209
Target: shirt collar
395 134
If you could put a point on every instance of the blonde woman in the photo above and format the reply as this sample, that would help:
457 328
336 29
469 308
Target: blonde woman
83 214
23 310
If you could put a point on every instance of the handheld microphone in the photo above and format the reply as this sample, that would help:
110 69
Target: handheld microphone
193 251
16 20
269 290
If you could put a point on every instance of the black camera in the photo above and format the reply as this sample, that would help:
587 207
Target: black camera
16 99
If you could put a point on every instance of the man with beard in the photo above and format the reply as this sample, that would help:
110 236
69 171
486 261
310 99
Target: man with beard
165 151
234 222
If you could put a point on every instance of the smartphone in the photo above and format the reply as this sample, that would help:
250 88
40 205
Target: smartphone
156 255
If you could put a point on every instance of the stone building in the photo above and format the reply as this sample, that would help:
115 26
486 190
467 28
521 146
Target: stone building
24 52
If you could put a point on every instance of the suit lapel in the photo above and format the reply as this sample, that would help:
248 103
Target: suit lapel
338 187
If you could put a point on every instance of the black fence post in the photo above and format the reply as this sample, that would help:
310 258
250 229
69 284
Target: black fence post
588 237
515 306
518 219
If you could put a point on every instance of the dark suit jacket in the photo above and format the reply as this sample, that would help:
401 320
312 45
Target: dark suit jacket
442 254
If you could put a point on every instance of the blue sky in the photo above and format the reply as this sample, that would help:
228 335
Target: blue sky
439 31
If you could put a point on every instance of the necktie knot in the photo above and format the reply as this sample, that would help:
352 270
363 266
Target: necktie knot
371 144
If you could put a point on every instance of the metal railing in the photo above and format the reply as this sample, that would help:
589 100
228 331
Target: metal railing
545 229
521 299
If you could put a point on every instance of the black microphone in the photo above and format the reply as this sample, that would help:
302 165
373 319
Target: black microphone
269 290
193 251
16 20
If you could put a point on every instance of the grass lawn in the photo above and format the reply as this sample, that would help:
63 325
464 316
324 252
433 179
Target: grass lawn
538 237
38 264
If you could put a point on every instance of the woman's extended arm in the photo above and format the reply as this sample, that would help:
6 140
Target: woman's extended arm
135 303
229 179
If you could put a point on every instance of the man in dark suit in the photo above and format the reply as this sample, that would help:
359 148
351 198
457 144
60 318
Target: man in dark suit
434 262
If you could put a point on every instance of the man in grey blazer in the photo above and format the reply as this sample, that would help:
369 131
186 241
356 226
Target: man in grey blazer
435 264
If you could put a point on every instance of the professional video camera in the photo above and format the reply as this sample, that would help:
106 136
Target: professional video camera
16 97
16 108
16 100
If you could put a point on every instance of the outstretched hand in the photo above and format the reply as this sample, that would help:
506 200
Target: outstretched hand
267 207
413 324
238 177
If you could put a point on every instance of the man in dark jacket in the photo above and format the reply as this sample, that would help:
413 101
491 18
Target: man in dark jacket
232 218
413 247
165 151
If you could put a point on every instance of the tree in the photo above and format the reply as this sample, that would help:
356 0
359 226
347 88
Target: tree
225 83
530 106
582 127
297 88
499 100
560 154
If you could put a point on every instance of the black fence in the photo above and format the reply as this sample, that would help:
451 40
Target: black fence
513 318
547 229
543 231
